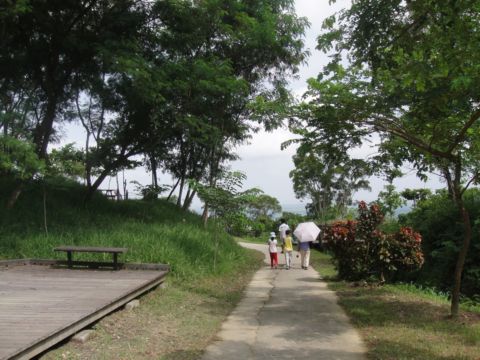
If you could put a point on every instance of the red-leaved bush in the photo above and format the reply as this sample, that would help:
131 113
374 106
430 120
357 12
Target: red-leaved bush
360 250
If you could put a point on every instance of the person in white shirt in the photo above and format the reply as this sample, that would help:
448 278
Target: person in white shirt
282 229
272 249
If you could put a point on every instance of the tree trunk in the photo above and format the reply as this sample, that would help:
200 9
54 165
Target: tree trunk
187 195
454 187
180 192
14 195
462 255
119 196
124 183
91 190
5 125
88 165
44 129
45 209
153 164
173 189
205 215
41 140
188 200
122 157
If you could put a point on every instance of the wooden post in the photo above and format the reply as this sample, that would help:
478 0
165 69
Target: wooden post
69 257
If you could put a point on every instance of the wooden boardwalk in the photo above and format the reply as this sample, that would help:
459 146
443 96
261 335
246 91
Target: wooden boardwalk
41 305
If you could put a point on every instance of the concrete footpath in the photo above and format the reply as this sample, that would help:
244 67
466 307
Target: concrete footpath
286 314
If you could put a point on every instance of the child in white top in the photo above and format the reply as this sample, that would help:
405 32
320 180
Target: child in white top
272 249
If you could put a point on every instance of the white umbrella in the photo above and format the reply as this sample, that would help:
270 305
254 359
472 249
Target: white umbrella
307 231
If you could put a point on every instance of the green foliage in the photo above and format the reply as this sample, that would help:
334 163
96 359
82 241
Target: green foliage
149 192
154 232
67 161
241 212
18 159
292 218
416 195
390 200
436 219
239 224
324 174
263 206
258 228
175 81
224 199
360 250
409 80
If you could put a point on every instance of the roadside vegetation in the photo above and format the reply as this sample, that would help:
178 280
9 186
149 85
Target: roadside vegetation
398 84
172 323
404 321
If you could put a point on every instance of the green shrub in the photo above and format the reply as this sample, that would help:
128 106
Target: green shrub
437 219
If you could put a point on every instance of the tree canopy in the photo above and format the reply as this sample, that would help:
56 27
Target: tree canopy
172 81
406 71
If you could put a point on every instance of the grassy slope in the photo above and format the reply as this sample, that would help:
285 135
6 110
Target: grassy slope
403 322
172 323
154 232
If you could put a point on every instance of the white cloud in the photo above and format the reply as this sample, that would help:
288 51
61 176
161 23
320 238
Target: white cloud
267 144
315 11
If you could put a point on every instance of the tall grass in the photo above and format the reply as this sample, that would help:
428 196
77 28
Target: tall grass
154 232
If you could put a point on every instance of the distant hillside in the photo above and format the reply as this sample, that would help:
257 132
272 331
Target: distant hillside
297 208
403 210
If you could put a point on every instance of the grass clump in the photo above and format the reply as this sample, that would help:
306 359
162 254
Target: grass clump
403 321
322 263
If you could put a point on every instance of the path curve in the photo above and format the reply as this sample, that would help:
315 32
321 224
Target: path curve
286 314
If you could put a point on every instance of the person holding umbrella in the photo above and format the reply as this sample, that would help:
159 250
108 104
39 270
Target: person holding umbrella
304 249
306 233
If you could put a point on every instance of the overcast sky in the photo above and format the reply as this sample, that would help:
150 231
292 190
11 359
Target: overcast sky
265 164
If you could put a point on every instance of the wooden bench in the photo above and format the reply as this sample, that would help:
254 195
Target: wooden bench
109 193
90 249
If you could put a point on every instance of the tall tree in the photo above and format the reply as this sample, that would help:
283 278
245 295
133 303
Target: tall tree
262 205
324 172
411 77
165 77
416 195
224 52
60 47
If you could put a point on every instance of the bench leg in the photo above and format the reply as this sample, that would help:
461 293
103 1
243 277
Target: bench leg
69 257
115 263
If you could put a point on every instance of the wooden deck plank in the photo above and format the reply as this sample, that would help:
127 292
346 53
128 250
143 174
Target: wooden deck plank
40 305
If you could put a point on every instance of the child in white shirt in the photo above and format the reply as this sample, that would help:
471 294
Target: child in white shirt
272 249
